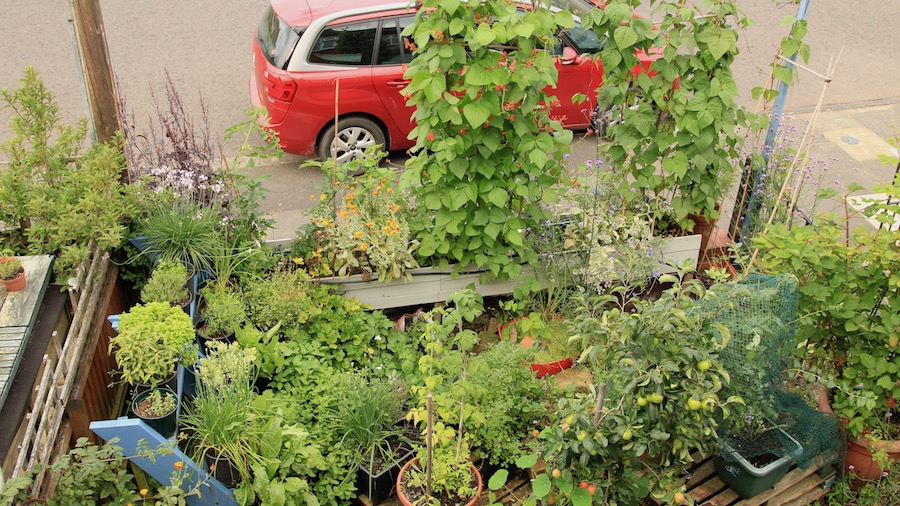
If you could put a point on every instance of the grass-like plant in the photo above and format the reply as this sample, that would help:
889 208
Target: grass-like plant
225 310
182 231
221 415
366 419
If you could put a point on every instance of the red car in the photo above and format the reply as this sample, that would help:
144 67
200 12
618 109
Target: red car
312 58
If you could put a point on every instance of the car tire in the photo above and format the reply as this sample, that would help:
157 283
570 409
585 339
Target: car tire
354 136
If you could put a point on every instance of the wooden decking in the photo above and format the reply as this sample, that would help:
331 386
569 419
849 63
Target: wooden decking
798 488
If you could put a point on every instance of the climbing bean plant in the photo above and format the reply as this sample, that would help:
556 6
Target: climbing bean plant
486 153
676 134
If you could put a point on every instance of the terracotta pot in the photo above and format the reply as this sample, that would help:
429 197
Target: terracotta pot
406 502
859 457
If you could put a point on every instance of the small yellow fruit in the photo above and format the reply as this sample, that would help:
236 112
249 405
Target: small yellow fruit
694 404
556 473
704 365
680 498
627 435
655 398
581 435
894 341
642 401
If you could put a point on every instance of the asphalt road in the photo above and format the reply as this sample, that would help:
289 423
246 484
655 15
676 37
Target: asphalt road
204 45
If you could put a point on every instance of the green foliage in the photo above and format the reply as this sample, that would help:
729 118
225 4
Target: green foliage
286 297
88 475
487 154
511 402
847 287
366 417
10 267
167 283
224 310
288 458
153 338
179 230
791 46
660 361
677 127
444 367
54 198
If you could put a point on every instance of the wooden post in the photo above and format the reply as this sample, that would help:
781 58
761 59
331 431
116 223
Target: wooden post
96 69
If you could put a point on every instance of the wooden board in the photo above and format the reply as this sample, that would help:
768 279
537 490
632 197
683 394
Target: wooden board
799 487
18 311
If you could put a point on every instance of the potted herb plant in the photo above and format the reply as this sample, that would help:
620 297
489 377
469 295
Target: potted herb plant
442 473
223 310
168 284
221 412
176 229
367 420
152 340
12 274
158 408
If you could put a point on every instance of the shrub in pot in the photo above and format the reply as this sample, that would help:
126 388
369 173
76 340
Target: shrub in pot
223 310
848 287
167 284
153 339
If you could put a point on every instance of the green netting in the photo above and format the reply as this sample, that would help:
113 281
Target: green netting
761 312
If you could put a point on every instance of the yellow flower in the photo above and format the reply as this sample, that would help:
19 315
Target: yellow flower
144 491
179 465
363 246
370 224
357 235
312 197
323 197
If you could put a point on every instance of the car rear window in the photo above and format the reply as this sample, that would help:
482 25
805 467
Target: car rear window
277 39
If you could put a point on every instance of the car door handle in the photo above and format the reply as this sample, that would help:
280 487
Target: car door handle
398 84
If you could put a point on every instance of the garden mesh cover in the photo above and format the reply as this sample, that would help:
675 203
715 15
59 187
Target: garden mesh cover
761 312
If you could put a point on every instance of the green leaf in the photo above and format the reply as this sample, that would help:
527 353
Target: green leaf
538 157
514 237
457 26
617 13
498 480
499 197
449 5
527 461
541 485
783 74
625 37
476 113
484 35
524 29
581 497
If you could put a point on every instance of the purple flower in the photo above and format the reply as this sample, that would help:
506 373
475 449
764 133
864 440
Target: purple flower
884 474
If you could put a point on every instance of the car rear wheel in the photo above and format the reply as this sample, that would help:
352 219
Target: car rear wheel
354 136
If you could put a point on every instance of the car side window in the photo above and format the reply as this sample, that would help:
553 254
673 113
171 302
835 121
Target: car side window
392 49
346 44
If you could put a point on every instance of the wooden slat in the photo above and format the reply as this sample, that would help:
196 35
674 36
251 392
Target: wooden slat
789 480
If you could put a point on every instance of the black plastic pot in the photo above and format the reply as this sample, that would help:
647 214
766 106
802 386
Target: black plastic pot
165 424
378 487
222 469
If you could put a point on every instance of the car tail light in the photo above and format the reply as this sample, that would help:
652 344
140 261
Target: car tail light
280 87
